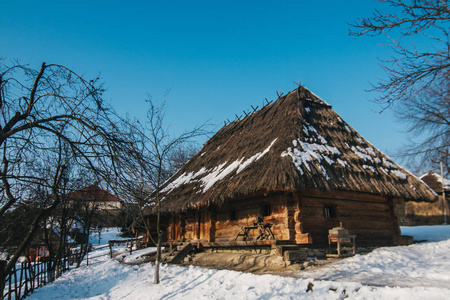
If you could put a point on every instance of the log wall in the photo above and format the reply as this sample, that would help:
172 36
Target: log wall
223 224
246 214
296 217
372 218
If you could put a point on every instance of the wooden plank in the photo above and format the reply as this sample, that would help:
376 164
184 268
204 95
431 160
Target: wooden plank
182 253
219 244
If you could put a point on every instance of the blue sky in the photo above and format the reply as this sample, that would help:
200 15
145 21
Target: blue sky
217 57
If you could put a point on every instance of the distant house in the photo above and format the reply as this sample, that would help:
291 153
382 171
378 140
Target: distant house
434 181
96 196
429 213
294 167
38 249
106 205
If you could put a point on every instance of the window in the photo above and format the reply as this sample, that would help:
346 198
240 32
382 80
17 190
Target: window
233 215
329 212
266 210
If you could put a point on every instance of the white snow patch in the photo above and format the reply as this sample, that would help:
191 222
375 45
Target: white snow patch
139 255
254 158
183 179
389 163
399 174
208 178
314 148
329 160
371 168
362 153
218 173
342 162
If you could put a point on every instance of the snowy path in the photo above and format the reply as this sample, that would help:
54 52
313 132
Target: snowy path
422 271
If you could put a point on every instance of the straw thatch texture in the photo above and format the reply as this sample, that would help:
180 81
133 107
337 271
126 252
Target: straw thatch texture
296 143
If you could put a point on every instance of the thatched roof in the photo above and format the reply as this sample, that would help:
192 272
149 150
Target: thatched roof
94 193
434 181
296 143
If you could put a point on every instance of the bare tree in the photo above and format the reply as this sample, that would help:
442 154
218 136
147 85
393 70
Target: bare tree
155 156
428 118
418 74
50 118
412 69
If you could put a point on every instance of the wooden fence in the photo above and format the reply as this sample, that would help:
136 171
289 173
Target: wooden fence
129 243
28 276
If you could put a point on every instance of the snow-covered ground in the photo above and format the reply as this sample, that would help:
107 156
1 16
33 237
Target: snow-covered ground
102 238
419 271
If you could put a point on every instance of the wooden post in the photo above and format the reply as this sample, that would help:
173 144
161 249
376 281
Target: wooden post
444 202
15 282
110 249
2 275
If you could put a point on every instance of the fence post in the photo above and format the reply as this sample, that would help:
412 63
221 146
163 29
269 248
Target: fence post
2 276
110 249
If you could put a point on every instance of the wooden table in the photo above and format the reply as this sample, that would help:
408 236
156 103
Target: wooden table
264 230
343 243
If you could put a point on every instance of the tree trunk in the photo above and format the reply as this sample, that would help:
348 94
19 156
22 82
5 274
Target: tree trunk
156 279
158 249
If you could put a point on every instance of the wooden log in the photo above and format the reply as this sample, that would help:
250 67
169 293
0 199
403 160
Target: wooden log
344 204
364 215
344 195
295 255
403 240
303 238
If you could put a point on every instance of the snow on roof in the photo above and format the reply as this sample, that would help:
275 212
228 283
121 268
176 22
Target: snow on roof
438 178
208 177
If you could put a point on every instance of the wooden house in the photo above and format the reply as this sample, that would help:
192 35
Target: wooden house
38 249
286 174
95 196
434 181
430 213
107 206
